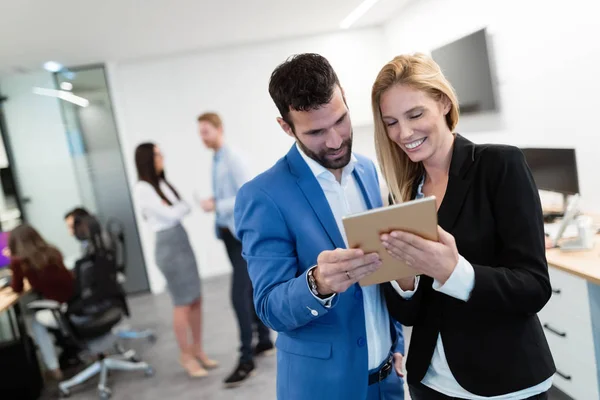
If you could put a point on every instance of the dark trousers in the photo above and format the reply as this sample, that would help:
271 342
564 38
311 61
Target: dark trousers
422 392
242 299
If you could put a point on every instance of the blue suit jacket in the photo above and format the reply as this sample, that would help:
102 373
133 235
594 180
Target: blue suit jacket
284 221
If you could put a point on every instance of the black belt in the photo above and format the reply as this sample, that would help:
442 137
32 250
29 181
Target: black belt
383 372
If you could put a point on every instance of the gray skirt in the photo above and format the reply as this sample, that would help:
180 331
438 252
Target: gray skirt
175 259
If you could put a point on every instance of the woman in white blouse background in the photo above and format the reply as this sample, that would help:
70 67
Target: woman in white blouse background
163 210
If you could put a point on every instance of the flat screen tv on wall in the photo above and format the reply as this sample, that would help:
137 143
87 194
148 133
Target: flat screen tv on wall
466 64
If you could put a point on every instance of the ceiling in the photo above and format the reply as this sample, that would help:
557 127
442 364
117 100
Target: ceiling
75 32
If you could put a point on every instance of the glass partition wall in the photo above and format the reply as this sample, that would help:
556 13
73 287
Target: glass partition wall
63 151
97 161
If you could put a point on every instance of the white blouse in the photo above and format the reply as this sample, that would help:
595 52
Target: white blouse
158 215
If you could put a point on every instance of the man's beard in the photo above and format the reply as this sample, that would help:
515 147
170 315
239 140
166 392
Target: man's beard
322 156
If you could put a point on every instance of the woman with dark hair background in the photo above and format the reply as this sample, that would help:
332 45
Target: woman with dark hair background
163 210
35 260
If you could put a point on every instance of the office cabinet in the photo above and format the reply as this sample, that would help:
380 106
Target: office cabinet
568 326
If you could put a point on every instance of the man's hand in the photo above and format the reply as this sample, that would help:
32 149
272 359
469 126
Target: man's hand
398 364
208 205
339 269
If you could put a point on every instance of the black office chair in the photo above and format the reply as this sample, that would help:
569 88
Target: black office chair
92 316
116 233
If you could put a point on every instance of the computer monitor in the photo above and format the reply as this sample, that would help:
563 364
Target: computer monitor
4 258
554 170
467 64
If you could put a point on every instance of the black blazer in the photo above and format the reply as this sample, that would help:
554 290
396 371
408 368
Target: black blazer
494 342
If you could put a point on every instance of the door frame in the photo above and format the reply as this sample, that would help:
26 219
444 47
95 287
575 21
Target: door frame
11 161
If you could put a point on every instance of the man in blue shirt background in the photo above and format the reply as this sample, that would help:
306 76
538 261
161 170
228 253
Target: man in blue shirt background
228 176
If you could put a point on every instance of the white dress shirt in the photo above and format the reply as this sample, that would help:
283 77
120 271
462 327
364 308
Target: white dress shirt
346 198
158 215
439 376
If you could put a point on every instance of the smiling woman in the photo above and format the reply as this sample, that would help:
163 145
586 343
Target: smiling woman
412 109
480 286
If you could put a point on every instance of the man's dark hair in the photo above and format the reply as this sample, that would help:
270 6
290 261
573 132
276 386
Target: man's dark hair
77 212
303 82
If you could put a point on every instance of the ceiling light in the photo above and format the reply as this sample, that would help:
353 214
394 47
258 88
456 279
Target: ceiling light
66 86
63 95
52 66
357 13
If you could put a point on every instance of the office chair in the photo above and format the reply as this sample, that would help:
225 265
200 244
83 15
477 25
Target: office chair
116 232
113 241
92 315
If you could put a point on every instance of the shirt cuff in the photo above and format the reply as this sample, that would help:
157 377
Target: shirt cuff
460 283
406 294
324 302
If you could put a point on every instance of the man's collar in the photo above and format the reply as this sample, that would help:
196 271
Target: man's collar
219 153
318 170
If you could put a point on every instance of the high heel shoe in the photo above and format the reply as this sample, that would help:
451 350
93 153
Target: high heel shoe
192 367
207 362
203 358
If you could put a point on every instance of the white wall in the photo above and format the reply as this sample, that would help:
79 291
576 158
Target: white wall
159 100
545 59
43 165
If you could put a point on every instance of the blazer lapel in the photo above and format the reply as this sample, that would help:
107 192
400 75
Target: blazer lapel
463 156
359 172
314 195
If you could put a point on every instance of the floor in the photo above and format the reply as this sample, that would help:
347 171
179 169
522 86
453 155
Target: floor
170 382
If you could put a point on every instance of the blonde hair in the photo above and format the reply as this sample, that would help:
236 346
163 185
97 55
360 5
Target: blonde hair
420 72
212 118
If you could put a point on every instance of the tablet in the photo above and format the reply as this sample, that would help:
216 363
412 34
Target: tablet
363 231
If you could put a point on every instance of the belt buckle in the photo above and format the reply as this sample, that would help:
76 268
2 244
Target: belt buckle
385 369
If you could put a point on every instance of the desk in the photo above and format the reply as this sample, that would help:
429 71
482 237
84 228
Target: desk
585 264
8 298
20 376
571 320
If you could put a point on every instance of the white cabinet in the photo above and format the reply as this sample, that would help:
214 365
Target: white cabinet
567 323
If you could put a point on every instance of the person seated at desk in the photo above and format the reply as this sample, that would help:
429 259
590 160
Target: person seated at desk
32 258
73 218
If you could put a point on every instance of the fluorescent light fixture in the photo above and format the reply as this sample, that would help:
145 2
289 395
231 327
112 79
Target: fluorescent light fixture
52 66
63 95
66 86
357 13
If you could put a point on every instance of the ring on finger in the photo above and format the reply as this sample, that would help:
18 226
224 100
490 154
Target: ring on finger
348 275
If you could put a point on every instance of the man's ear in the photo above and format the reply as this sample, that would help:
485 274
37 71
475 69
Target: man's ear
286 127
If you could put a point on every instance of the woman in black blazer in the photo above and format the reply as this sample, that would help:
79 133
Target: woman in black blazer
474 299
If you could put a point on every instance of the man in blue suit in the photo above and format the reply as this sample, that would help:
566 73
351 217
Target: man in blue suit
336 340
